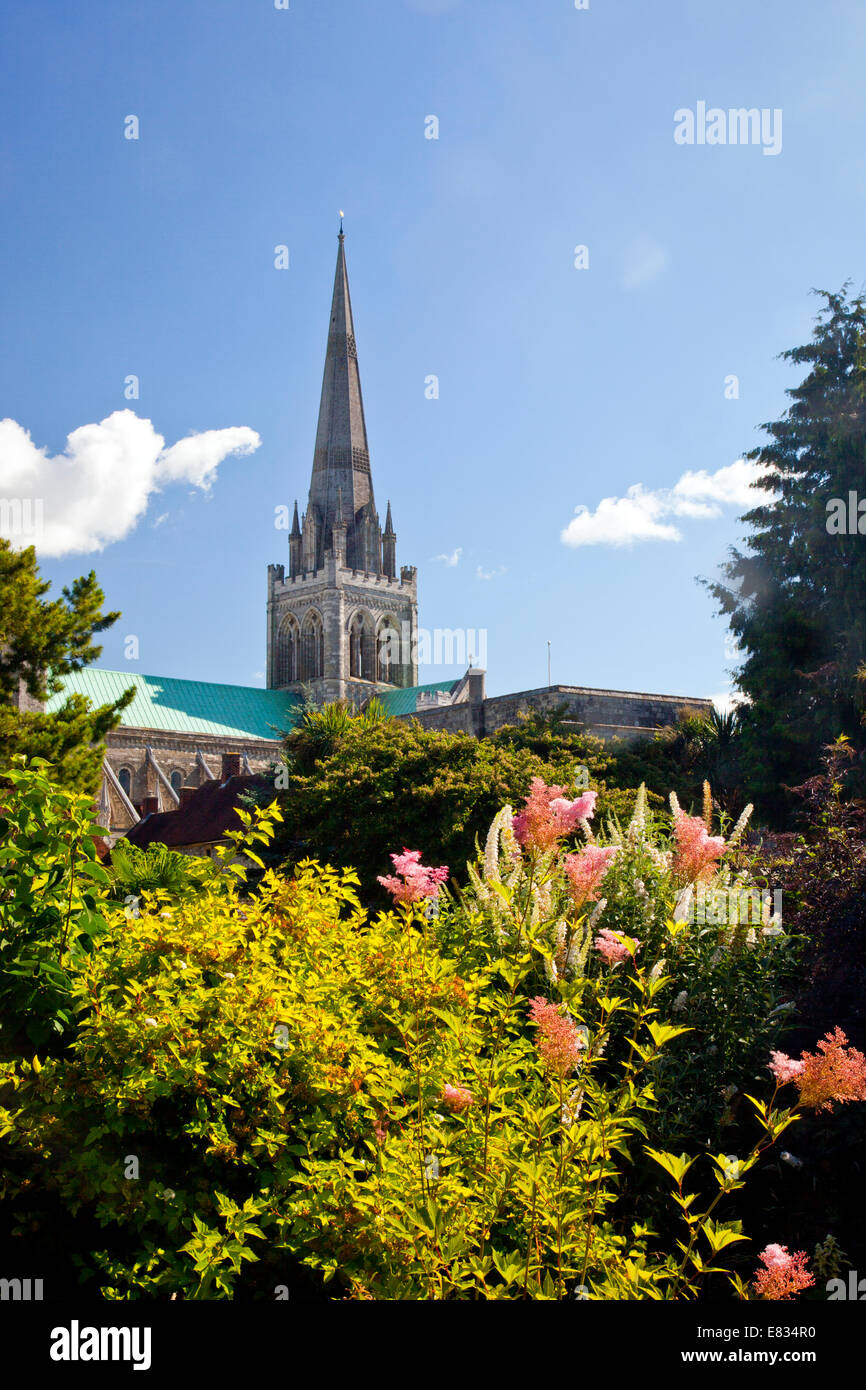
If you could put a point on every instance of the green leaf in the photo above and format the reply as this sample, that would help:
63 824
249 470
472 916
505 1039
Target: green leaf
676 1165
94 871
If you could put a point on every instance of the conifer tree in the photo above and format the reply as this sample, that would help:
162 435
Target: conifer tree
41 641
796 596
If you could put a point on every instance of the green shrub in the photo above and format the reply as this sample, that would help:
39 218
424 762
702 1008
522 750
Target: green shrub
50 917
356 788
447 1101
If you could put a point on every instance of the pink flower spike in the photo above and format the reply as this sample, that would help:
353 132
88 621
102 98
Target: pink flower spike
586 870
416 882
696 850
784 1068
457 1098
835 1073
783 1274
547 815
612 947
560 1041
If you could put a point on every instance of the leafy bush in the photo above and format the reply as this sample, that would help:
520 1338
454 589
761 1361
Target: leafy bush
448 1101
50 879
821 874
355 787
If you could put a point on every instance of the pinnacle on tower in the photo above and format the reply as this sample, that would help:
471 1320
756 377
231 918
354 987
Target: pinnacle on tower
295 547
389 547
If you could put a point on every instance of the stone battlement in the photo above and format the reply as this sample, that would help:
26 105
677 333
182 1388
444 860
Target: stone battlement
324 578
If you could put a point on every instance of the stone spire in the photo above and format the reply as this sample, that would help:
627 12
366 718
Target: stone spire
341 462
331 619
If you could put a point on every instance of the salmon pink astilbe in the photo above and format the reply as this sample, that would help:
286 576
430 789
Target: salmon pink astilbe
414 881
547 815
783 1274
560 1041
586 870
784 1068
835 1073
456 1098
696 850
612 947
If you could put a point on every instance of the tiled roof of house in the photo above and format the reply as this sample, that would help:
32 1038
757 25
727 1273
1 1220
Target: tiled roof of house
202 821
191 707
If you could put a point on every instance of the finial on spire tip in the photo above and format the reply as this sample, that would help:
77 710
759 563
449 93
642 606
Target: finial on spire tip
342 215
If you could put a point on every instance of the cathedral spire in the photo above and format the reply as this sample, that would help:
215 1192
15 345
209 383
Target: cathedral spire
343 621
341 461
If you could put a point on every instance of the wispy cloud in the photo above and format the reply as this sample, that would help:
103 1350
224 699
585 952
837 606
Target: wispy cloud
728 700
733 650
489 574
452 559
642 515
97 491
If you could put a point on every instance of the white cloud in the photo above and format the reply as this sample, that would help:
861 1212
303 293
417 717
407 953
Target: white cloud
489 574
452 559
733 651
730 486
620 521
97 491
640 515
728 700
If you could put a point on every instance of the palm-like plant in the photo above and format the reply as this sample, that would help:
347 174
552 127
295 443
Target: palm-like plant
322 728
153 869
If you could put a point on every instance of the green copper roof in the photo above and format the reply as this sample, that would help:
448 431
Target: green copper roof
406 701
190 707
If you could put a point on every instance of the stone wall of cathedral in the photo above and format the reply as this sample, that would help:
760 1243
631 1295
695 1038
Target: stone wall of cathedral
604 713
338 598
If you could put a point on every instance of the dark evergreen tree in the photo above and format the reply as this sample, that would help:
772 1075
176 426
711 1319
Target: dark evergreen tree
796 596
40 642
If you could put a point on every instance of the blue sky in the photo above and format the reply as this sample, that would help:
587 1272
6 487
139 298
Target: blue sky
559 387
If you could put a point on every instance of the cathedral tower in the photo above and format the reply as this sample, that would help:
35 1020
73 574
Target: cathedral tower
342 620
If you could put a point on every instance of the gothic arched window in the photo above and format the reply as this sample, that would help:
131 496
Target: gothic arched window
288 651
312 647
388 652
124 777
362 648
176 780
356 627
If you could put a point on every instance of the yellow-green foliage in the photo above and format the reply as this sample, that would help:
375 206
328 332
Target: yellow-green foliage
261 1082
